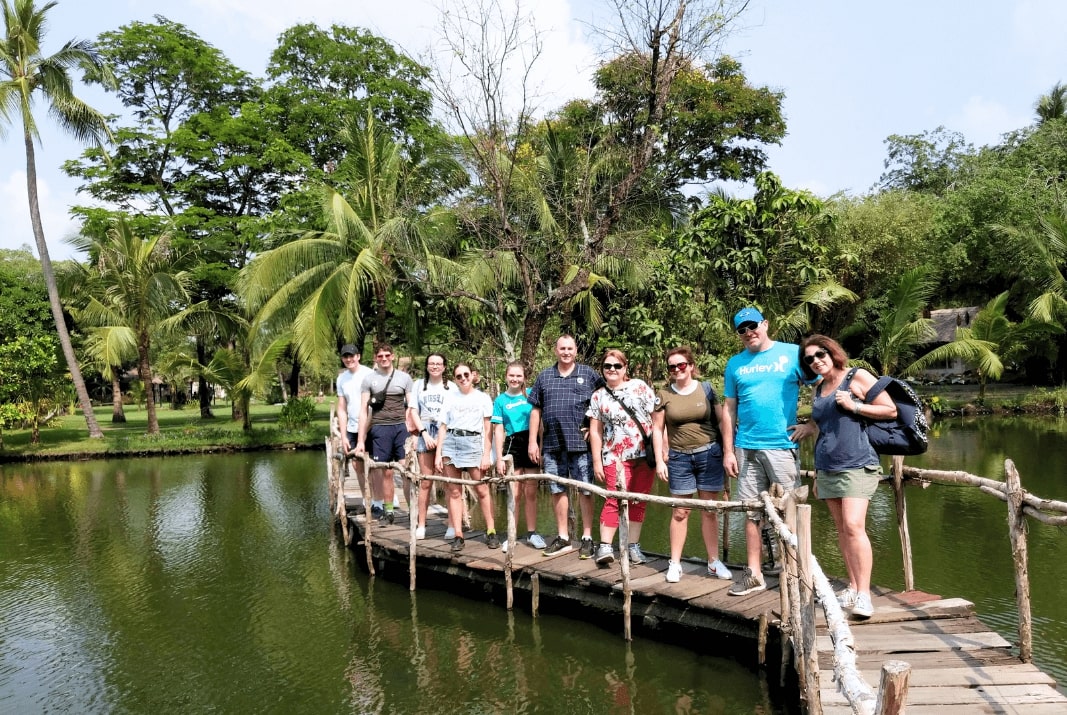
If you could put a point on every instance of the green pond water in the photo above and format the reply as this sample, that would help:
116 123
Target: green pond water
216 584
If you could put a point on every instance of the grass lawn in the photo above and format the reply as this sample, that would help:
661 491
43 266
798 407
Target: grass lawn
180 431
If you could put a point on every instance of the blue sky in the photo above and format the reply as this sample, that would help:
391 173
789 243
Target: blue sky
853 73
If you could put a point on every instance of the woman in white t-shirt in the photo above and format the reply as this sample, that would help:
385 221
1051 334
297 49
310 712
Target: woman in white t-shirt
430 393
464 421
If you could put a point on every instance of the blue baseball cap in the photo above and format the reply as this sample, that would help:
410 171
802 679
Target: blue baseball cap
747 315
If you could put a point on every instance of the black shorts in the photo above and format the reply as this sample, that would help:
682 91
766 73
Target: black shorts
518 445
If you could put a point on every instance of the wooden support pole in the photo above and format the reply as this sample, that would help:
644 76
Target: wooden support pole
413 523
535 593
902 522
1017 533
807 611
368 497
724 538
791 573
624 550
893 688
789 508
761 641
513 533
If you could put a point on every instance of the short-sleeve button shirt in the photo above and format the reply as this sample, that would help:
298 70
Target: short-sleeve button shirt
563 402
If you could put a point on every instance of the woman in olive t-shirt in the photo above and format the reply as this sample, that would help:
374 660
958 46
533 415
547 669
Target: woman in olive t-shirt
689 456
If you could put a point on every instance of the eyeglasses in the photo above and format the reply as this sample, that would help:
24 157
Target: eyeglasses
747 327
677 366
817 355
613 366
462 375
381 356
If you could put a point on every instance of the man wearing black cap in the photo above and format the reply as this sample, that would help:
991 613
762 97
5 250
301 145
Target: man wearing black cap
760 394
349 401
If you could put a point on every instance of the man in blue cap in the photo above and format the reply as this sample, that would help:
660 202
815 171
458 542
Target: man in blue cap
760 398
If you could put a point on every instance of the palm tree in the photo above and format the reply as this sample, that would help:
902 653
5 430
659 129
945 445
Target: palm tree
902 329
141 290
1052 105
25 74
374 232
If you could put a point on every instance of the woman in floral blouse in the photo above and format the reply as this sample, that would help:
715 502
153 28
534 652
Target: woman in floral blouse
617 438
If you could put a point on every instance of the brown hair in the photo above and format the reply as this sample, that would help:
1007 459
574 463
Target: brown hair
382 347
686 352
838 356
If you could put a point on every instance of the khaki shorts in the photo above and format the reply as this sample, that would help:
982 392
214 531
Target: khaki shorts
758 469
857 483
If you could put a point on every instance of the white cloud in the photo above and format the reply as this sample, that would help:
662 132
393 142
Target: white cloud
983 120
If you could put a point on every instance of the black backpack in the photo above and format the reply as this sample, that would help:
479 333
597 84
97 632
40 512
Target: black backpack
907 433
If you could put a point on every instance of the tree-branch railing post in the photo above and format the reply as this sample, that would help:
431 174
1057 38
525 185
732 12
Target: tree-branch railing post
367 488
902 522
1020 558
624 547
513 529
807 596
893 688
414 486
789 508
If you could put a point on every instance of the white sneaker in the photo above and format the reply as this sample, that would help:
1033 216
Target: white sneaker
420 532
674 572
863 608
718 569
450 534
504 546
846 598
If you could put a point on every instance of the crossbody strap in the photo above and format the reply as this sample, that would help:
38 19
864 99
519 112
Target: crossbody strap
627 408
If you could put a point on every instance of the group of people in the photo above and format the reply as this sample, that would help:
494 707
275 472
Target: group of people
574 422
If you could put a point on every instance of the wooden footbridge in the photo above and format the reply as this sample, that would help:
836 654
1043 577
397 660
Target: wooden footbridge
919 653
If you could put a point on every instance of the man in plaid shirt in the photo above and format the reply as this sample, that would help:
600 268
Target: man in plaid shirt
560 396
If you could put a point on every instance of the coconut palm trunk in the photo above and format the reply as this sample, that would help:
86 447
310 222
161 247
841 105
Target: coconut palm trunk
53 292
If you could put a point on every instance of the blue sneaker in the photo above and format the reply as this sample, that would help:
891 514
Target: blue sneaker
536 541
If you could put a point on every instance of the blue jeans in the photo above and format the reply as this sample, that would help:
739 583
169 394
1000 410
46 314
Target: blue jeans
687 473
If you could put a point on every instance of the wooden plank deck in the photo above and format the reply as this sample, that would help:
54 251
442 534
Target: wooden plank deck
958 665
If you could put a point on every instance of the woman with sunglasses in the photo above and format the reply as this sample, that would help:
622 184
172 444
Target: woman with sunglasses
687 420
464 422
847 469
616 437
430 393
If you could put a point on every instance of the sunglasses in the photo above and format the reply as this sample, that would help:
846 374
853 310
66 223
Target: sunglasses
462 375
747 327
677 366
817 355
613 366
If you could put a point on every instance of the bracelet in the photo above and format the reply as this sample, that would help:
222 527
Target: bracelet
856 407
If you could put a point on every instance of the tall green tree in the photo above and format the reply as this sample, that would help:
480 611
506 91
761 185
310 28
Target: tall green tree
663 76
142 289
200 145
25 74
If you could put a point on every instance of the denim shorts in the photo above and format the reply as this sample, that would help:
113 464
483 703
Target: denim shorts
462 452
431 429
571 465
387 442
687 473
757 469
